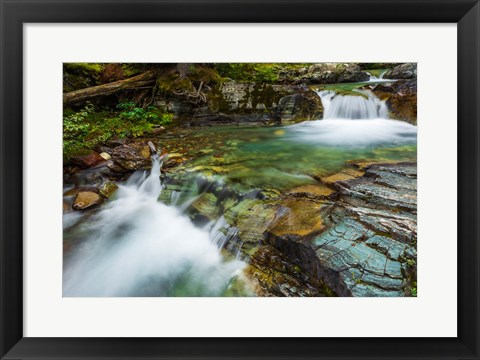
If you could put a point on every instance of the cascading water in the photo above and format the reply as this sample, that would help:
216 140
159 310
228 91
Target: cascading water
364 106
354 121
137 246
373 78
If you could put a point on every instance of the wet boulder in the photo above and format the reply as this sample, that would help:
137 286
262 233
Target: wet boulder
87 161
86 199
349 73
108 189
130 157
299 107
329 73
403 71
401 99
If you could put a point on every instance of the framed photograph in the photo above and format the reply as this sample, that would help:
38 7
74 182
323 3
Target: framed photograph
236 179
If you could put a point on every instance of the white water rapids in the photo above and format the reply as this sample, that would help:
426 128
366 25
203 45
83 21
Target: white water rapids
354 121
137 246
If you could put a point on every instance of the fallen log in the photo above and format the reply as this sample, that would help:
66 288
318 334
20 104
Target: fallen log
144 80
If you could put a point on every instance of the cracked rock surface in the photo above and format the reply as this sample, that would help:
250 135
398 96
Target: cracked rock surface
369 247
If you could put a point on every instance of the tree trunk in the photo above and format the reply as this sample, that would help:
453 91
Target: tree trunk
146 79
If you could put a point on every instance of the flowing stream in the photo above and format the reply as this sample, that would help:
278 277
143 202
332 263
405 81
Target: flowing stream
136 245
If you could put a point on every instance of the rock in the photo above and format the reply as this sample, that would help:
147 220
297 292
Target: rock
276 275
382 187
117 141
91 177
153 150
157 130
105 156
87 161
363 244
172 160
330 73
403 71
298 217
86 199
317 191
346 174
246 103
372 233
205 208
108 189
401 98
299 107
348 73
133 156
252 218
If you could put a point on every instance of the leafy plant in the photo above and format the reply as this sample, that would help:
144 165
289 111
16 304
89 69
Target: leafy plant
151 114
88 128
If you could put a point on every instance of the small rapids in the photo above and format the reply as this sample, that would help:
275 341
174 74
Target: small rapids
137 246
354 121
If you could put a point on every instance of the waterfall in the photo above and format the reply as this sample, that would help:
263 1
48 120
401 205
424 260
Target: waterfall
379 78
364 106
137 246
225 236
353 121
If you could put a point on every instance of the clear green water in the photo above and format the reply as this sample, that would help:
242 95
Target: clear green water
280 158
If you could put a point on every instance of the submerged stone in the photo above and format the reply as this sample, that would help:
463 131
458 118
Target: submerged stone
314 191
299 217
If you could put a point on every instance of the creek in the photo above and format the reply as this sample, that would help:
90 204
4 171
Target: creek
135 245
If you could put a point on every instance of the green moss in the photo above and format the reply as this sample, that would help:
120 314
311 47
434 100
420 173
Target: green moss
85 129
253 72
80 75
130 70
84 68
376 66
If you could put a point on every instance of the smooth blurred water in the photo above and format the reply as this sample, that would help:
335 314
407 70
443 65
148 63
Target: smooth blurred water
137 246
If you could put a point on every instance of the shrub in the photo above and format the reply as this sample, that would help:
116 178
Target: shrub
88 128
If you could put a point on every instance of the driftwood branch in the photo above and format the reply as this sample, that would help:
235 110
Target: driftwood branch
193 96
142 81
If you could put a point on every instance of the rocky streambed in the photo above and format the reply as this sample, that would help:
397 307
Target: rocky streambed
304 188
308 220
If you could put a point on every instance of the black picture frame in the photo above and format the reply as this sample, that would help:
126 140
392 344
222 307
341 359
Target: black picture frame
14 13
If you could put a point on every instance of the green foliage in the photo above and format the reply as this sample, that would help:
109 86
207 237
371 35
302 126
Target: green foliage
138 115
80 75
76 127
413 290
88 128
372 66
411 262
261 72
256 72
84 68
